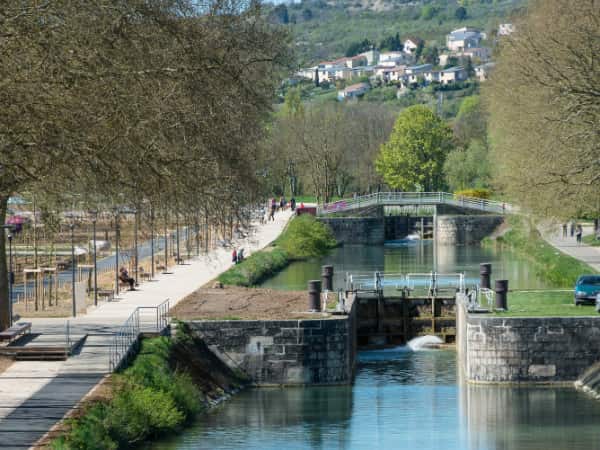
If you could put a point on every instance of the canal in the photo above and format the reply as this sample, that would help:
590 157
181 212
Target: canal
401 399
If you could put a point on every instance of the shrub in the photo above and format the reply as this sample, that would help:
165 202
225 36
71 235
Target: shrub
475 193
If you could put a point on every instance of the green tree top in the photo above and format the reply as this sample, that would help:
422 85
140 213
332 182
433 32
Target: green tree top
414 155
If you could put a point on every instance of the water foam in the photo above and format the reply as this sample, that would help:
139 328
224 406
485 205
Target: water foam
423 343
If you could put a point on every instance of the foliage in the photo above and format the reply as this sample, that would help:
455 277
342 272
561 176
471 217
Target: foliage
471 121
111 104
391 43
460 13
428 12
544 109
556 268
279 14
473 193
149 399
468 167
592 240
304 237
413 157
358 47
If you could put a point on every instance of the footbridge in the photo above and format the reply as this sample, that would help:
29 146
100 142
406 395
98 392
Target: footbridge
379 199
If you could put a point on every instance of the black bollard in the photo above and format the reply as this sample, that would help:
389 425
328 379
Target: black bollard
314 295
327 277
485 271
501 288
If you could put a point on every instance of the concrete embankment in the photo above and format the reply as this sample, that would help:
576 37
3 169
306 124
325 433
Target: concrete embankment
527 350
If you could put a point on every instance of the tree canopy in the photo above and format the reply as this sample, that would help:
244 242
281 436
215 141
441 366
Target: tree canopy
414 155
544 103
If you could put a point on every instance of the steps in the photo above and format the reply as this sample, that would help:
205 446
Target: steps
42 350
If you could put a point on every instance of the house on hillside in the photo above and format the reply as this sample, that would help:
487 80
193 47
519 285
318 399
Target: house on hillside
372 57
464 38
506 29
453 75
480 53
483 72
411 44
387 74
353 91
351 62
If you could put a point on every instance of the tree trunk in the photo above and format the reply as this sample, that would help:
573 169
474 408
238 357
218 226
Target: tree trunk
4 300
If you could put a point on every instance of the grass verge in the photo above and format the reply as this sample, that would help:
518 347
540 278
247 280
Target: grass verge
592 240
554 267
304 237
544 304
148 399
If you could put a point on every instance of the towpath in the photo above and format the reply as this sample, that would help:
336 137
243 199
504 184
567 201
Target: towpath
583 252
35 395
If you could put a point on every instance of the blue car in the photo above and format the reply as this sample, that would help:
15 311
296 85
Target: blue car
586 289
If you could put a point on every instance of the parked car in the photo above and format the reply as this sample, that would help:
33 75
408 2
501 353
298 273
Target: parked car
586 289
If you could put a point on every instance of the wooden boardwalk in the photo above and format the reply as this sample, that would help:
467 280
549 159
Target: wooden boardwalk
35 395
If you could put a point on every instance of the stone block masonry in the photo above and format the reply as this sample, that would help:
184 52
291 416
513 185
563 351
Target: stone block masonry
556 349
464 229
357 230
285 352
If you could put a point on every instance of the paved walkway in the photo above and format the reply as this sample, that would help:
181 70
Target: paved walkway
35 395
583 252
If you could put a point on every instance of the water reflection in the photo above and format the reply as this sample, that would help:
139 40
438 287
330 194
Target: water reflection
414 258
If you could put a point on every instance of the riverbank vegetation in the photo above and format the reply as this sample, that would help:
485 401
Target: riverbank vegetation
550 265
547 303
304 237
168 384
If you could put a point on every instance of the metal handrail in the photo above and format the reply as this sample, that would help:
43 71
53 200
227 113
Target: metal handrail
126 339
432 281
414 198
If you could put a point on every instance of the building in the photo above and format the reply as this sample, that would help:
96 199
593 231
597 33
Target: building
483 72
480 53
413 74
351 62
353 91
387 74
464 38
372 57
505 29
411 44
452 75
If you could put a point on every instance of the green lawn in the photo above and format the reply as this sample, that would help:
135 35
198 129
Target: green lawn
544 304
590 239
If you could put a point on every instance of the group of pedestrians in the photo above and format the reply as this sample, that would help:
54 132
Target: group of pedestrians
273 206
572 229
237 256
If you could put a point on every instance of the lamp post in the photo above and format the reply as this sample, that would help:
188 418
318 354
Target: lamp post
117 251
135 243
72 227
11 275
94 220
152 240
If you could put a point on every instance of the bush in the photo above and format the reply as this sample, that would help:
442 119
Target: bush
304 237
148 399
475 193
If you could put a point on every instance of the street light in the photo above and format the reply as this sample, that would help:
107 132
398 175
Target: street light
94 220
72 227
117 251
11 275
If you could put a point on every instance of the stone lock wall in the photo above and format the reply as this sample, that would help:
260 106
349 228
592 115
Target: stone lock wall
463 229
285 352
494 349
357 230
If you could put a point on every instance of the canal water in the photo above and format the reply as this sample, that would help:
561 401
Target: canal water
401 399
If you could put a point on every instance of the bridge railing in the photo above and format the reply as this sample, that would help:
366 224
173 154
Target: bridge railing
414 198
431 282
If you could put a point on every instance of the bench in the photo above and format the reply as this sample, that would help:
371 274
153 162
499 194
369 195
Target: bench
17 329
107 294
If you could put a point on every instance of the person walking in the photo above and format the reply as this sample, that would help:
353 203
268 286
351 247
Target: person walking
273 208
234 256
293 204
572 228
564 228
579 233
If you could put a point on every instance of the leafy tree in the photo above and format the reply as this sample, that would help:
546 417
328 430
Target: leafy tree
460 13
391 43
544 109
414 155
468 168
471 121
307 14
419 50
428 12
292 105
279 14
431 55
451 62
358 47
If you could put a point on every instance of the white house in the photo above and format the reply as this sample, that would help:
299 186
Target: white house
372 57
413 73
505 29
464 38
353 91
452 75
480 53
351 62
410 45
483 72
